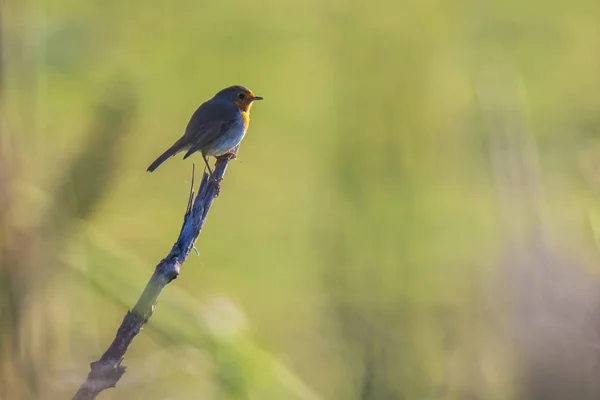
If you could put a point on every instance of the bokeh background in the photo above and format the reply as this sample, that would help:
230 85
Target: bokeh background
416 213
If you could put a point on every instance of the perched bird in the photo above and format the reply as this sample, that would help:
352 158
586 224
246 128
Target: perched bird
217 126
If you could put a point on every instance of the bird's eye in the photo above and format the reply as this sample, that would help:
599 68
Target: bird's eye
241 96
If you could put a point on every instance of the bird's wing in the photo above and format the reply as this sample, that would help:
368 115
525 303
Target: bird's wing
211 120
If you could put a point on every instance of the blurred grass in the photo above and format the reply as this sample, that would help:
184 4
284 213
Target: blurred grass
355 235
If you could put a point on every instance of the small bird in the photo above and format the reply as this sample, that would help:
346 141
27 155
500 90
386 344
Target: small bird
217 126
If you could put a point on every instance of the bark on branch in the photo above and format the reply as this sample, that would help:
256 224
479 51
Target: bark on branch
106 372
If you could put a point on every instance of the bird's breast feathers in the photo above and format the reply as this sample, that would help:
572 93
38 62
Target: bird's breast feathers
246 119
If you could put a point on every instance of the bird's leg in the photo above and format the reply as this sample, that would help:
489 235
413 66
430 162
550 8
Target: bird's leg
207 166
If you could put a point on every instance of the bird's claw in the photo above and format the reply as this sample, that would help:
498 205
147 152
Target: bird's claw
230 155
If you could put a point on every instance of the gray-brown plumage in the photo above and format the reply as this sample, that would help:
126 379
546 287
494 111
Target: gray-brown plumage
217 126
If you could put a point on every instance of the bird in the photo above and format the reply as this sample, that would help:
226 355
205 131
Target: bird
216 127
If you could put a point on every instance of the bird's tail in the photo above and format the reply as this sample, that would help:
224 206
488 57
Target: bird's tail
176 148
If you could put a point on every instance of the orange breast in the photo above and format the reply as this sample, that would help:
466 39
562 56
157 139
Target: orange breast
246 118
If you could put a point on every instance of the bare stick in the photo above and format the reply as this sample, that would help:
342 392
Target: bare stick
106 372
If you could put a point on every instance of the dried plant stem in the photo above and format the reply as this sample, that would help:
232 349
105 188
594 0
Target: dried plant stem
106 372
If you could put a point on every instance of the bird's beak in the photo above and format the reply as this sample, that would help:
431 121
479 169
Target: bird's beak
256 98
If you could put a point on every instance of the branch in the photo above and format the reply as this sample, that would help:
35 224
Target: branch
106 372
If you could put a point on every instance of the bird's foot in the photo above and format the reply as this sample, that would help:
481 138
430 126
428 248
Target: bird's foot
230 155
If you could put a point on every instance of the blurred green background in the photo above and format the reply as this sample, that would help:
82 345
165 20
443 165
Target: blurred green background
415 214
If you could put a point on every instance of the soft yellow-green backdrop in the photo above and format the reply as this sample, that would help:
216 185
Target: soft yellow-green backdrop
414 215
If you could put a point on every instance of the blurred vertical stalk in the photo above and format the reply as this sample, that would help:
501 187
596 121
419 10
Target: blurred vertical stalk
553 302
89 175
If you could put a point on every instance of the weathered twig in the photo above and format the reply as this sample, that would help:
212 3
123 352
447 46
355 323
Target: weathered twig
106 372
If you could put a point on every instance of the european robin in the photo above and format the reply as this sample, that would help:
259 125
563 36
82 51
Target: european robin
216 128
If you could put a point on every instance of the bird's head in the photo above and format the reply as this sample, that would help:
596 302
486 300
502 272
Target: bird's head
241 96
